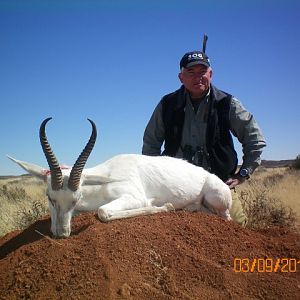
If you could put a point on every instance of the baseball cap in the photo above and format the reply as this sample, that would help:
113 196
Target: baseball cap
194 58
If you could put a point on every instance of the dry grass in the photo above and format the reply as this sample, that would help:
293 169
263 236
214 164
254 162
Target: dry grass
22 201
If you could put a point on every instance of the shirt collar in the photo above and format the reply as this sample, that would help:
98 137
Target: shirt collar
188 96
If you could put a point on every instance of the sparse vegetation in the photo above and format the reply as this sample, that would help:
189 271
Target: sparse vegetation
263 212
156 260
22 201
26 216
270 198
13 194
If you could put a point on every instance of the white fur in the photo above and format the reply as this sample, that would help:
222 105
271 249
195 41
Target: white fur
131 185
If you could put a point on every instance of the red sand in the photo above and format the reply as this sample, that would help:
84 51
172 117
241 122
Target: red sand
177 255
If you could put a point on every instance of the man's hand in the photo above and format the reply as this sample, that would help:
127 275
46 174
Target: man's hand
235 180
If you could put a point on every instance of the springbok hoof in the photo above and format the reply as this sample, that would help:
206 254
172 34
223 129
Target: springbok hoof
103 215
169 207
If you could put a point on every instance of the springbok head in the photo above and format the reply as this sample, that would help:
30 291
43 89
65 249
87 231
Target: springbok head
64 185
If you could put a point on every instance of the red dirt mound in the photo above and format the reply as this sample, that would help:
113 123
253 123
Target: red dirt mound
178 255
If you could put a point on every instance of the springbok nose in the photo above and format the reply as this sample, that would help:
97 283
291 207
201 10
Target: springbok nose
62 233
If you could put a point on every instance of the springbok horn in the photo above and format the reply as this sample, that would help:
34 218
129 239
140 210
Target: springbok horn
56 174
77 169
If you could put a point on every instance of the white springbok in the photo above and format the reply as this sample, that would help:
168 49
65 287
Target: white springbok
125 186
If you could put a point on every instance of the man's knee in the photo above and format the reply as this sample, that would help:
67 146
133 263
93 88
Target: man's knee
237 212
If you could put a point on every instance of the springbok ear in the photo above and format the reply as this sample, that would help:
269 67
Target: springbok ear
32 169
96 180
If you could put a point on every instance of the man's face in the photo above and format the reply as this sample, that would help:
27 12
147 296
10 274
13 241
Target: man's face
196 80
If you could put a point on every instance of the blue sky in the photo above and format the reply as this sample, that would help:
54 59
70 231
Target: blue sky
112 61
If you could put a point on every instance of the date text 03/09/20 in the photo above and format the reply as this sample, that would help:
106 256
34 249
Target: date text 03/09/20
266 265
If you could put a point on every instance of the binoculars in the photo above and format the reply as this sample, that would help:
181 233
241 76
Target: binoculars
200 157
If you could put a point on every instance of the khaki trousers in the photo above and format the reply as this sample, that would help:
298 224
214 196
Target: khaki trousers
237 212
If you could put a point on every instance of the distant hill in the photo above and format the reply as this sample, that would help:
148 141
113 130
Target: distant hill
14 176
277 163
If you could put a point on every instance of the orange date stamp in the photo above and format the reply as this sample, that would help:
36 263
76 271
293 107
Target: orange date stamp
266 265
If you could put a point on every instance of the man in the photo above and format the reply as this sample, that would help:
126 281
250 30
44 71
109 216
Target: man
196 122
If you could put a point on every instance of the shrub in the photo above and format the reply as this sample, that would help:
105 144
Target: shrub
26 216
264 212
13 193
296 164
